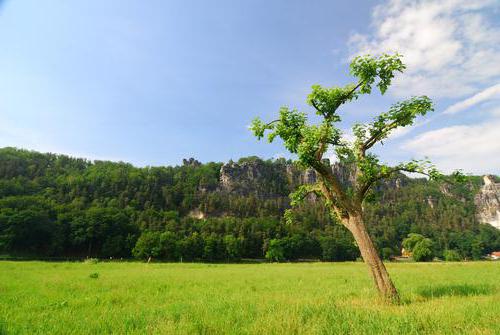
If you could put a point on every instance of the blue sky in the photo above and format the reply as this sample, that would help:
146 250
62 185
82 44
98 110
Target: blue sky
152 82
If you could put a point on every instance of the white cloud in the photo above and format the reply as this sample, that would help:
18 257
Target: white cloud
472 148
451 47
486 94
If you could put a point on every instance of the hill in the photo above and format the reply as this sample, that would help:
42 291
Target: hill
58 206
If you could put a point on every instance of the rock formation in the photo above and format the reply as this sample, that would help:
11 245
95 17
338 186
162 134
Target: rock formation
255 176
191 162
488 202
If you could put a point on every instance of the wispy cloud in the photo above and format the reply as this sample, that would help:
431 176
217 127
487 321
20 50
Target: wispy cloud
473 148
489 93
451 47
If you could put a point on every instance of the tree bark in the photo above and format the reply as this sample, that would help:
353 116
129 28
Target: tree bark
380 275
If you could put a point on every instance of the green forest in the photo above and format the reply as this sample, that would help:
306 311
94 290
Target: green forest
55 206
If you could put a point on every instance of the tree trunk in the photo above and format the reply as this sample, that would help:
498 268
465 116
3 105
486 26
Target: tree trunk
380 275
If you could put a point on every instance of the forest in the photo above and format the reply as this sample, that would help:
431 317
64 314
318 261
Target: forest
55 206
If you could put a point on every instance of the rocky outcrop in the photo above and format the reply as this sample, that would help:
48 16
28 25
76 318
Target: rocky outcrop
240 178
266 179
255 176
297 176
343 173
191 162
487 202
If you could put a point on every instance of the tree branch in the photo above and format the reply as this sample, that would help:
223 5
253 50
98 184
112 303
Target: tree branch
374 138
303 191
316 107
354 89
319 153
273 121
328 196
366 186
336 186
340 102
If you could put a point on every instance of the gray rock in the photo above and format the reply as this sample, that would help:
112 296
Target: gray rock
487 202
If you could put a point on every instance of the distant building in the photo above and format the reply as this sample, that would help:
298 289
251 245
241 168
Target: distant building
405 253
495 255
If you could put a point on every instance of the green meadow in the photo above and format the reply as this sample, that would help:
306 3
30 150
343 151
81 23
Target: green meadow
289 298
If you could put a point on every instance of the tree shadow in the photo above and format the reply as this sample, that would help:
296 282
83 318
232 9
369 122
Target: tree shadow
457 290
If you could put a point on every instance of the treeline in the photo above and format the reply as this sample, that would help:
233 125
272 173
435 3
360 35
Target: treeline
33 225
57 206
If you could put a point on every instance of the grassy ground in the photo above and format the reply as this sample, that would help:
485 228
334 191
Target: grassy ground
310 298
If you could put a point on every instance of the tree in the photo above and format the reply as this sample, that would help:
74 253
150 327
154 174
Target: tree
338 249
275 251
420 246
169 245
309 142
212 248
148 245
233 247
422 252
412 240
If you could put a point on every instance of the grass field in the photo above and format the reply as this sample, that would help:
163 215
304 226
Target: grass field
305 298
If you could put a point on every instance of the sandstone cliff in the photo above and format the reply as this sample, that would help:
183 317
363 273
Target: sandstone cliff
262 178
265 179
488 202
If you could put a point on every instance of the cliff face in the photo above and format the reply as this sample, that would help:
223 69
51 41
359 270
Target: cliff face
268 180
488 202
264 179
257 177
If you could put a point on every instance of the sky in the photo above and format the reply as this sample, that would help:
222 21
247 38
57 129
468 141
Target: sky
153 82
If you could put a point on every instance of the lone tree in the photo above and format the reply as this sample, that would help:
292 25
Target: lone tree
310 142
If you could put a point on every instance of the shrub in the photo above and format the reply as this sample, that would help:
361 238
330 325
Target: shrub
275 251
91 261
387 253
422 252
338 249
451 256
420 246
